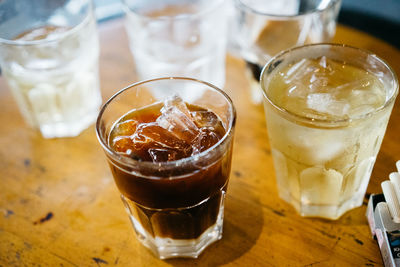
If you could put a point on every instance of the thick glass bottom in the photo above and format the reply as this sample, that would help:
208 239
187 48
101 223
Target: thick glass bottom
331 212
165 248
182 232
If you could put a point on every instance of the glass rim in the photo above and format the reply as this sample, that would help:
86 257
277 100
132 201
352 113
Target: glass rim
167 164
329 122
248 8
185 16
88 16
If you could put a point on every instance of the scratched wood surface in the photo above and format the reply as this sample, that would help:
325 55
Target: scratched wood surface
59 205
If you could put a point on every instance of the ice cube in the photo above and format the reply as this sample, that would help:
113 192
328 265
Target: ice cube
324 149
308 145
152 132
320 186
206 139
44 101
177 102
325 103
322 62
158 143
211 130
363 99
122 143
126 128
319 84
176 119
298 90
204 118
360 86
314 75
163 154
299 71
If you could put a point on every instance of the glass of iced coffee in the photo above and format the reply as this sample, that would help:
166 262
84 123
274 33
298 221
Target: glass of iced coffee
170 155
49 52
327 107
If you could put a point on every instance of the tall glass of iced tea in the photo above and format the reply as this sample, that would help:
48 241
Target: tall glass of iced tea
168 142
327 107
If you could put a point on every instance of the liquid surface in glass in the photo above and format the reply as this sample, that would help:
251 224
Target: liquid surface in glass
326 89
166 132
41 33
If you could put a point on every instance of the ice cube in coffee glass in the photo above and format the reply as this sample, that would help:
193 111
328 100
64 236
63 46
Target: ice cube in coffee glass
327 107
261 29
170 156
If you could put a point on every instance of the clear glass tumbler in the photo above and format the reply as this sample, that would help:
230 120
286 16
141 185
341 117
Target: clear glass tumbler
262 28
49 57
178 38
176 207
327 107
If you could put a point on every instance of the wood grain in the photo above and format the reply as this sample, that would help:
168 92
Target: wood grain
59 205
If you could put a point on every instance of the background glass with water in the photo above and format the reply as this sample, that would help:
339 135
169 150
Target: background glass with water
178 38
49 57
262 28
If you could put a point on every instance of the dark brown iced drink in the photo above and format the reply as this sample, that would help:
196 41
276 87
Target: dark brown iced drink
154 134
171 161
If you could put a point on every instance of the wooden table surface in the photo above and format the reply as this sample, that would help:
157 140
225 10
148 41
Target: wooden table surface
59 205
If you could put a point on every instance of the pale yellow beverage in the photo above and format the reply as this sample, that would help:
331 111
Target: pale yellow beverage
327 108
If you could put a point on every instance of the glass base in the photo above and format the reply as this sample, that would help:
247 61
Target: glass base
331 212
155 227
165 248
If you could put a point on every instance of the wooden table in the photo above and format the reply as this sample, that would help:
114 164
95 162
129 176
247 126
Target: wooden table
59 205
